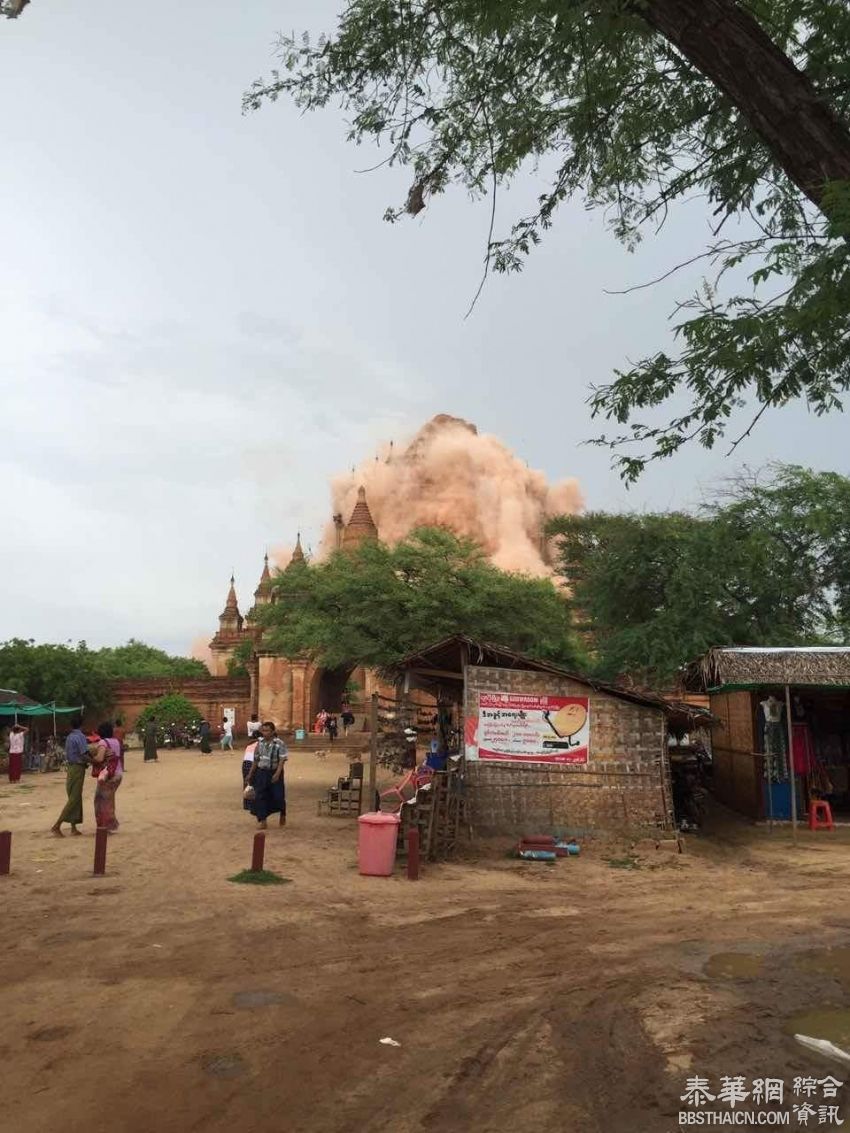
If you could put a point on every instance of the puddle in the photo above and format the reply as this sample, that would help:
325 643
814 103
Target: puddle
224 1065
262 998
51 1034
831 1023
734 966
833 962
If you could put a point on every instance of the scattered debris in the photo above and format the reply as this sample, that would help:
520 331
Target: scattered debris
821 1046
388 1042
545 848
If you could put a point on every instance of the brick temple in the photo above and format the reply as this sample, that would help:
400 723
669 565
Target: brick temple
291 692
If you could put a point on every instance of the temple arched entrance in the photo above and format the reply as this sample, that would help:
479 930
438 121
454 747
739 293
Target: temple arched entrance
328 689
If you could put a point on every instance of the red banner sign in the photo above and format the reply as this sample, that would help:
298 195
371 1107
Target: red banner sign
519 728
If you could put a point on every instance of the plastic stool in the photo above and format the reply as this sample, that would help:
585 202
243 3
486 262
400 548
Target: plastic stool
820 815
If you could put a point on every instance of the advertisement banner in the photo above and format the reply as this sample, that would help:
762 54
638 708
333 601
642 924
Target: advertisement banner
519 728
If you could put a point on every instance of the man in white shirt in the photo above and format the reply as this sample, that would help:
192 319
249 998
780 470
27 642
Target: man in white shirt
226 734
253 726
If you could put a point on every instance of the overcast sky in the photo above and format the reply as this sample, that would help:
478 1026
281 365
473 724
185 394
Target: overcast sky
203 317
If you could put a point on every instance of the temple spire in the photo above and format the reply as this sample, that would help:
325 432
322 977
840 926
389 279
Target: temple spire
231 603
361 526
298 553
230 620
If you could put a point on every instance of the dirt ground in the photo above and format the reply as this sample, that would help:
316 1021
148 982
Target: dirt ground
163 998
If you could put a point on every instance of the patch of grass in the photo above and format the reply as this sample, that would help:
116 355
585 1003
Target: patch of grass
259 877
623 863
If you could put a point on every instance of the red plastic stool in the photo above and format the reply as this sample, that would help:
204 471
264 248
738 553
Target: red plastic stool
820 815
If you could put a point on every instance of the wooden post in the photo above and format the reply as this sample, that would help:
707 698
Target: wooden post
100 837
259 852
373 751
413 854
5 852
792 778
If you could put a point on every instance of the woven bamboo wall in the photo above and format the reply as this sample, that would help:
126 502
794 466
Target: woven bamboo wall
624 785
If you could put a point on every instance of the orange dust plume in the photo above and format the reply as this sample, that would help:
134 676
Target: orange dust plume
200 650
450 475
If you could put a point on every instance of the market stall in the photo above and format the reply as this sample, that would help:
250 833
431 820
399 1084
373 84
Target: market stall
545 749
782 734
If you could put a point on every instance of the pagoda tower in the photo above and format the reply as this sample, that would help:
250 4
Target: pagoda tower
230 633
298 558
361 526
263 594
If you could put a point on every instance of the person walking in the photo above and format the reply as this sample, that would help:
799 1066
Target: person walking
205 737
332 727
77 758
226 734
17 739
253 727
151 752
108 769
266 777
347 718
120 734
247 760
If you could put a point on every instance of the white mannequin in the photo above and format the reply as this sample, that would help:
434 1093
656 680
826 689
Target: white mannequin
772 709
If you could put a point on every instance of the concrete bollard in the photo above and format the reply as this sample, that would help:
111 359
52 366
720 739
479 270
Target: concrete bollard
413 854
100 837
259 852
5 852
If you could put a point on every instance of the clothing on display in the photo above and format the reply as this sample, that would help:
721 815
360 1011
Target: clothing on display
774 740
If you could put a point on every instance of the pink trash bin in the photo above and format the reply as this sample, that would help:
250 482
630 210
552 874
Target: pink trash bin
376 843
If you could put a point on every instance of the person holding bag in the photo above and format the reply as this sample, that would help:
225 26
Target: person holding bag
108 769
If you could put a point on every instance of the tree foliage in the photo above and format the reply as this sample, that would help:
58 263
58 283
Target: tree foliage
633 105
70 675
135 659
376 603
75 674
237 663
767 562
173 708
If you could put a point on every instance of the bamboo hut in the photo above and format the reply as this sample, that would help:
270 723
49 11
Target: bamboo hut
546 749
782 733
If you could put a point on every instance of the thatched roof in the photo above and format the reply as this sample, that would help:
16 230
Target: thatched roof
445 660
759 667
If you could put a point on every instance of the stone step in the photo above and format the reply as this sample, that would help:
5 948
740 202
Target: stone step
314 742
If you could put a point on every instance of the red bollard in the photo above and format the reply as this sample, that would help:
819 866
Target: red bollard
5 852
100 837
259 852
413 854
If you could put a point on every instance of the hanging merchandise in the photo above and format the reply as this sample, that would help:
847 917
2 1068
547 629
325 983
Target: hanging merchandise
802 748
774 740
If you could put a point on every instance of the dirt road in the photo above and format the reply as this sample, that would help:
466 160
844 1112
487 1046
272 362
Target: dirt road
163 998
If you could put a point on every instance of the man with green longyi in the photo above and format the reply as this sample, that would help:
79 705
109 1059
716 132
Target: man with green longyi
77 756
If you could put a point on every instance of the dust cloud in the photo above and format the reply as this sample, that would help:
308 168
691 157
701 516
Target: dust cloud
450 475
200 650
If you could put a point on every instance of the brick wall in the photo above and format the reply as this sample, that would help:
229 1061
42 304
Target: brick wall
211 695
625 785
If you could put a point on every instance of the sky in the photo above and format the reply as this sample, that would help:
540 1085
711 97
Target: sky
203 318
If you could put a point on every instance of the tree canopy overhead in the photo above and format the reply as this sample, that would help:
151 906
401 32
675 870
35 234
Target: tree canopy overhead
376 603
767 562
634 104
